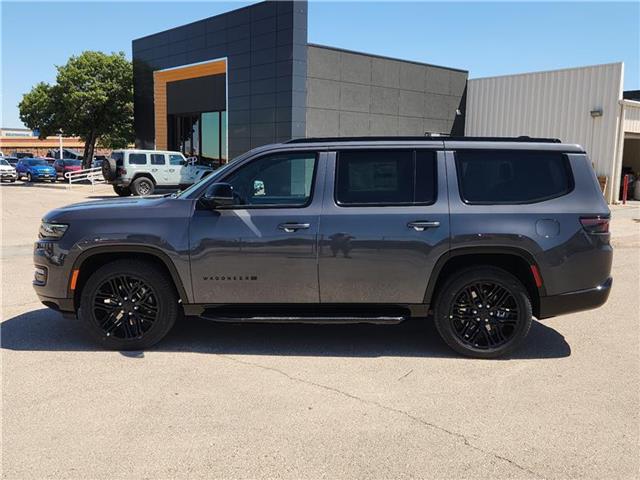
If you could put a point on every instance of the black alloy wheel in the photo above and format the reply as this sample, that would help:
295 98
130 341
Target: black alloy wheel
129 304
483 312
484 315
125 307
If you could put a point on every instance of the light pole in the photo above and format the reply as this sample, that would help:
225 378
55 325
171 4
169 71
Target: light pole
60 142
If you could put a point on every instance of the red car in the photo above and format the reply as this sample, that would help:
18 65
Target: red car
66 165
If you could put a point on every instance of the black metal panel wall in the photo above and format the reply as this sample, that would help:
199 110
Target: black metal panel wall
266 50
201 94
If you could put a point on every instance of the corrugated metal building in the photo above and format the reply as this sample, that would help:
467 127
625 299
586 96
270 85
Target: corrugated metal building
577 105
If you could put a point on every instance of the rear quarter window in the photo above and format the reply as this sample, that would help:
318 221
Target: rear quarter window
512 176
137 159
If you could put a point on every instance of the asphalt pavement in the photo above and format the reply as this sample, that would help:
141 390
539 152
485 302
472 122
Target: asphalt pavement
303 401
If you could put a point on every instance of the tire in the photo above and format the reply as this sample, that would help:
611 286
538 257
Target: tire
122 191
109 169
142 186
29 177
149 321
482 330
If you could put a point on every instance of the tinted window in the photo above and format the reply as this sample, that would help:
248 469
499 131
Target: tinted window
34 163
175 159
512 176
118 157
385 177
137 159
157 159
275 180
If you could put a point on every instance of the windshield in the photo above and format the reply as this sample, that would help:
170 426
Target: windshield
72 163
3 162
37 162
211 176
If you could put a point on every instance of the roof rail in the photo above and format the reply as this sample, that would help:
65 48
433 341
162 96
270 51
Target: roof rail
424 139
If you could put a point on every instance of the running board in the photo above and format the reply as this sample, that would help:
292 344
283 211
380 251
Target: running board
311 320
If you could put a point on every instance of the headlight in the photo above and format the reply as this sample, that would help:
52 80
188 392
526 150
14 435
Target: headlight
52 230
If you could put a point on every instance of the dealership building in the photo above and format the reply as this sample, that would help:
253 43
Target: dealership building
223 85
220 86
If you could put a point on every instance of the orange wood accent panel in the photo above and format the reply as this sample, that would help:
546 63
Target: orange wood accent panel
160 80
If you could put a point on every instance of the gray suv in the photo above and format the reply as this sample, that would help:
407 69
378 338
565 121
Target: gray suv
480 234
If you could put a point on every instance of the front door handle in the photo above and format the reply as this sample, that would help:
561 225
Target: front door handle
422 225
292 227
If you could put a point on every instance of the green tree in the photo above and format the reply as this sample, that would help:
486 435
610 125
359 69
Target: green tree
92 98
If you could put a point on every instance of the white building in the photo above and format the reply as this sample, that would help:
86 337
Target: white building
577 105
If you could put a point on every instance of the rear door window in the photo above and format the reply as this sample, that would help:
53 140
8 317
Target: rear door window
137 159
157 159
385 177
512 176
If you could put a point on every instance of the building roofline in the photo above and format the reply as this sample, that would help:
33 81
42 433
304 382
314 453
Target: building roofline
558 70
384 57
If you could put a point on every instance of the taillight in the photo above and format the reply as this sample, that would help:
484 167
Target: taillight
121 171
595 224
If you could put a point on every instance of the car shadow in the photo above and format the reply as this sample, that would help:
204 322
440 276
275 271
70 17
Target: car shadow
47 330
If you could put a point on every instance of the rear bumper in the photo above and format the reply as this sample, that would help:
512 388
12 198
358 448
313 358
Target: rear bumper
588 299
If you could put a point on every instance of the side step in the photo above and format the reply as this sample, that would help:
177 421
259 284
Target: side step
305 319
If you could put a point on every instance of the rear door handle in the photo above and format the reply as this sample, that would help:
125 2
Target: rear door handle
292 227
422 225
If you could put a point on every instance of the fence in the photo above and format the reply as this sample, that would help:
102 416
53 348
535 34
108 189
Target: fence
91 175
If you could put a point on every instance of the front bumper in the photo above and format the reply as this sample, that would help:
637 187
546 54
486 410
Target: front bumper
44 176
553 305
8 175
52 273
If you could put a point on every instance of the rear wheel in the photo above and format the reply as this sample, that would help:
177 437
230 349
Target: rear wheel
122 191
129 305
483 312
142 186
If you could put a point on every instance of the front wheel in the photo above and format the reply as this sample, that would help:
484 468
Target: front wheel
29 178
483 312
128 305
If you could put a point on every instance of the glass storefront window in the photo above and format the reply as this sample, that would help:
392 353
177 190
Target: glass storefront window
211 135
200 134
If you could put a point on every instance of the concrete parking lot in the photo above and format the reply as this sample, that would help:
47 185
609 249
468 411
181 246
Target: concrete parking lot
247 401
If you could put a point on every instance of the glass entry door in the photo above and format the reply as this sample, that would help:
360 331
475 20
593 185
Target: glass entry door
202 135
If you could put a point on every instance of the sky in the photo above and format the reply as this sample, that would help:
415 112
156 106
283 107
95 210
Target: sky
486 39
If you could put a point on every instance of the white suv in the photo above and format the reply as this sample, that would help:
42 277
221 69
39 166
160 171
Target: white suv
140 172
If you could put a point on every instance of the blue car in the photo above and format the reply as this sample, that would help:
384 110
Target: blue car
35 169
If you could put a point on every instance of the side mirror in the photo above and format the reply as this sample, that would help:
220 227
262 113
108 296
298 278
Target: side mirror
218 195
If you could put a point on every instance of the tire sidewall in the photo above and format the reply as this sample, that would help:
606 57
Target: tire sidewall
135 186
451 290
153 277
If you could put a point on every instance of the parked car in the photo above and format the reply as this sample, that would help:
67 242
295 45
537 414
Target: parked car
141 171
7 171
12 160
34 169
483 234
97 161
66 165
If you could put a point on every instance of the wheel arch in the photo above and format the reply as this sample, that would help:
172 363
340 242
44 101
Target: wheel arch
138 175
92 259
514 260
